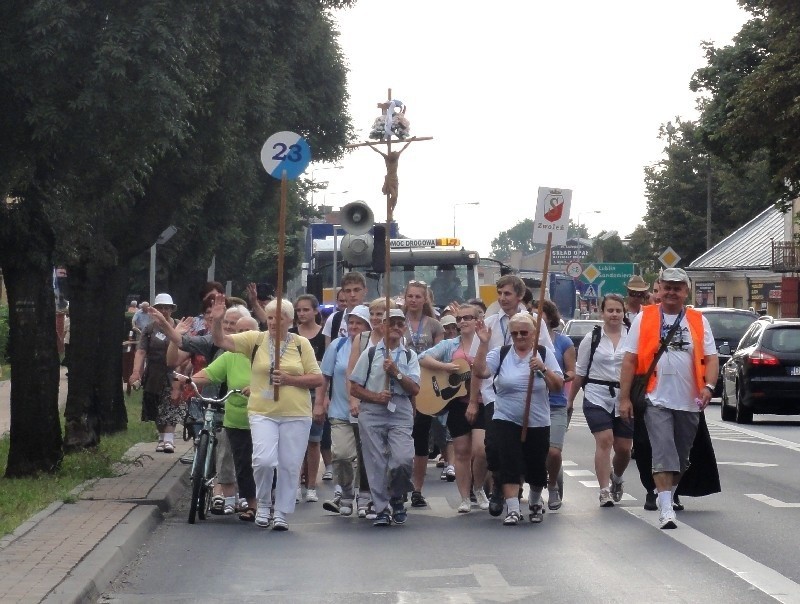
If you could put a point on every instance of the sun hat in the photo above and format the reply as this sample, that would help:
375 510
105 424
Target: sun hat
164 300
396 312
637 284
362 312
675 274
447 320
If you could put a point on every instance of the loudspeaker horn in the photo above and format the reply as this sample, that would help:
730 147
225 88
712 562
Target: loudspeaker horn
357 250
356 218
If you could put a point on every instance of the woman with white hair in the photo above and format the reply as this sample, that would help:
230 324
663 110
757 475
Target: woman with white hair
279 428
512 366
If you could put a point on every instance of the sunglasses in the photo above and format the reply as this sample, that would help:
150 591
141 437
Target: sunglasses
397 323
415 282
637 294
465 318
519 334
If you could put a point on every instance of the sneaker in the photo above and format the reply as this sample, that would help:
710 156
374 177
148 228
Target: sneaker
346 509
511 519
327 474
651 502
666 519
472 499
218 505
450 473
605 499
311 496
417 500
279 523
496 503
333 505
676 503
399 512
465 506
443 475
263 518
371 513
169 448
440 463
362 511
300 494
482 499
616 491
537 511
383 519
553 499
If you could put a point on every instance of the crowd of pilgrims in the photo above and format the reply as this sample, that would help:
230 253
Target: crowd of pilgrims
345 391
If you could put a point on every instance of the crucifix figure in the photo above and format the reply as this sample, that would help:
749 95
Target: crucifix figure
391 184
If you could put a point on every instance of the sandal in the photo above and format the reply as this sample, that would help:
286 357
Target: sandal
160 447
249 515
169 448
218 505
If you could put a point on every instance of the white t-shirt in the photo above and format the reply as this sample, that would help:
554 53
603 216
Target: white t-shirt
326 329
675 385
500 337
606 366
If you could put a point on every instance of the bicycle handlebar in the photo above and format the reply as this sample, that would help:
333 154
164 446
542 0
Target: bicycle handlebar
188 380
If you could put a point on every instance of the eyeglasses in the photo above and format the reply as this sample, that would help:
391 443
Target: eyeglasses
519 334
397 322
465 318
637 294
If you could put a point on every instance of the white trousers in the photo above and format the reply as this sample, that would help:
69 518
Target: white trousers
278 443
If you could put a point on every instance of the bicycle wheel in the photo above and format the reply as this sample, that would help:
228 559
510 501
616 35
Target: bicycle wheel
204 503
197 477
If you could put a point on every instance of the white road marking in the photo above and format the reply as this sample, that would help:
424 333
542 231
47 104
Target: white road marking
792 446
756 574
575 473
437 506
492 587
568 464
749 464
776 503
592 484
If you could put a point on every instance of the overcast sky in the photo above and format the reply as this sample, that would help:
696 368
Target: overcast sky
517 95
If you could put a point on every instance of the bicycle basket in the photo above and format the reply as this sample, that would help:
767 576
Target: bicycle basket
193 419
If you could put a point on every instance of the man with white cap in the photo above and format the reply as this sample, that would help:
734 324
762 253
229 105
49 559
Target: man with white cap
679 389
384 379
334 400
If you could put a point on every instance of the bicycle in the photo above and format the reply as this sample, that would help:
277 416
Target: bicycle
204 466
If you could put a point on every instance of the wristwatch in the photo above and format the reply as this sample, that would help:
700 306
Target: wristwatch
399 377
710 388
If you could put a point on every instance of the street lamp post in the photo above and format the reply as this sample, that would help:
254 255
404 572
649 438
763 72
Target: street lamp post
583 214
461 203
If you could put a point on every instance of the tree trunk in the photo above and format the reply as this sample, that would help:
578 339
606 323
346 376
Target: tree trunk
26 249
96 402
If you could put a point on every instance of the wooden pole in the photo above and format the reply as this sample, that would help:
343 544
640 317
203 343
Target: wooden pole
542 289
279 286
387 262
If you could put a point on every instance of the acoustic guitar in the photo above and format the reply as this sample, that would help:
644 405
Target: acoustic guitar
437 388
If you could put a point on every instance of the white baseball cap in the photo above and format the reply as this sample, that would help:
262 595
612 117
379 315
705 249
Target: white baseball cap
362 312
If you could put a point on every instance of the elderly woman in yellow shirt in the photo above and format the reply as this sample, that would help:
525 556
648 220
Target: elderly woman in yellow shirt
280 427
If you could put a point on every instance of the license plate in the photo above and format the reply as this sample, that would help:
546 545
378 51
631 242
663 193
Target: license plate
794 370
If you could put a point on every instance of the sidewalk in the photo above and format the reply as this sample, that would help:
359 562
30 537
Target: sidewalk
70 552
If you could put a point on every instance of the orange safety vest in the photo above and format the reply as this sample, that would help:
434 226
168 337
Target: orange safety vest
650 339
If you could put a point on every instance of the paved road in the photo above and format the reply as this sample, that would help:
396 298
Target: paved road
739 546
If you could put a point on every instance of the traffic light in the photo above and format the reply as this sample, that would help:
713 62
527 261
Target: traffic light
379 248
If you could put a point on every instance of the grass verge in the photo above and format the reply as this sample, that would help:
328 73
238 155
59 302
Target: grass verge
24 497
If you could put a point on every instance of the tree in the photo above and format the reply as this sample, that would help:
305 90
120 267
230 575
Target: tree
608 247
520 238
120 115
677 189
753 89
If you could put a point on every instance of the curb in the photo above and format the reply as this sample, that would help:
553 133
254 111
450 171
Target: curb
90 578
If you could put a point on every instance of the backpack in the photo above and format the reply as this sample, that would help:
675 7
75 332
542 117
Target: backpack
339 345
595 342
336 323
504 353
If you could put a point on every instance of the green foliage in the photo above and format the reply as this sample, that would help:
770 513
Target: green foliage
608 247
677 188
753 88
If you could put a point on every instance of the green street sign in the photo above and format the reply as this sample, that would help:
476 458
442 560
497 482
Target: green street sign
608 277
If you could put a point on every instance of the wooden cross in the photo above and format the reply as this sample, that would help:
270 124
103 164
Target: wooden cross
390 189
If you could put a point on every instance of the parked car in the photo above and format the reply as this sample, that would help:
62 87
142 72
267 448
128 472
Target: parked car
763 374
728 326
577 328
